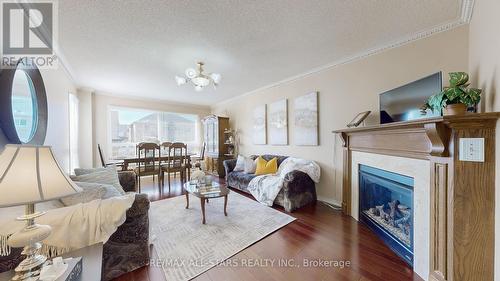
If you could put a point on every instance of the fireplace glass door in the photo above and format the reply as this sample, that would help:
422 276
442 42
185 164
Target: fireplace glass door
386 207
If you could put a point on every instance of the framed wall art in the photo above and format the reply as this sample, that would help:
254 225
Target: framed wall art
278 122
306 119
259 125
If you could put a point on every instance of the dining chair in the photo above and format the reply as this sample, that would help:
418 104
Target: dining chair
147 165
137 148
166 144
117 163
164 147
198 159
176 162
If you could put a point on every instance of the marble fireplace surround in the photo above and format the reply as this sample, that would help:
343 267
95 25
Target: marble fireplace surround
419 170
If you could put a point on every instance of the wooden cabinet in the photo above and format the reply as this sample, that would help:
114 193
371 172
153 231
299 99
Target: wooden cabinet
216 151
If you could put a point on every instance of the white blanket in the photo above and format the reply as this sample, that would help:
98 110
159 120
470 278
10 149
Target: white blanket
265 188
73 227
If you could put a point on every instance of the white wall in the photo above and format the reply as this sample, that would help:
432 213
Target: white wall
484 57
86 132
57 85
103 101
344 91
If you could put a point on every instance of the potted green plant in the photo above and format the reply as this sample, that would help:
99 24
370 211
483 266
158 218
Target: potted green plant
455 99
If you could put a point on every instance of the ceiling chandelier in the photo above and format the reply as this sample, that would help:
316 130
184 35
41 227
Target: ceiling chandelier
199 79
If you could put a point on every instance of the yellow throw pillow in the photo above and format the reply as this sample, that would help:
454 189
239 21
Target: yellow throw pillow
266 167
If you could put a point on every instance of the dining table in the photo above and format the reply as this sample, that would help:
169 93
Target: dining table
134 160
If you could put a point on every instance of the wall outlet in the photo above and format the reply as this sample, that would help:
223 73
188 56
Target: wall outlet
471 149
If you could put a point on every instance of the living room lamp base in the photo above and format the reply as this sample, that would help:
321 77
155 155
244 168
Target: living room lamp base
29 238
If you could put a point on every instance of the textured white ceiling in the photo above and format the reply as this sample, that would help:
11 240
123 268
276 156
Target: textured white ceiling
137 47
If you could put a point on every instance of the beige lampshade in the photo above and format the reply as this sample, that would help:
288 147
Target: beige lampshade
31 174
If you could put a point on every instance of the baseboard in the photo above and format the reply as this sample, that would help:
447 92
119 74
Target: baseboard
331 201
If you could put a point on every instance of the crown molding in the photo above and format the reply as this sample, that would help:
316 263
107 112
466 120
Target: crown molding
466 9
86 89
63 62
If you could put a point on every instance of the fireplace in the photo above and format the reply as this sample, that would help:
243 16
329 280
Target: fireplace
386 207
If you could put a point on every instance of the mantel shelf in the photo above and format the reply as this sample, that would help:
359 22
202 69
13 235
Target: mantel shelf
420 139
467 118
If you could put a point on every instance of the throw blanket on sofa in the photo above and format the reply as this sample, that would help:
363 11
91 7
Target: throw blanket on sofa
265 188
73 227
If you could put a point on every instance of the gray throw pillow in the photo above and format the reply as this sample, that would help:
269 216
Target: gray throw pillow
240 164
111 191
90 191
84 171
250 166
106 176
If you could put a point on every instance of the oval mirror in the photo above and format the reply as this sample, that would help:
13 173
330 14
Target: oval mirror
24 106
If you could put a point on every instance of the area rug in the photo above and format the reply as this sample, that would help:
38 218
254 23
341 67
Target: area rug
186 248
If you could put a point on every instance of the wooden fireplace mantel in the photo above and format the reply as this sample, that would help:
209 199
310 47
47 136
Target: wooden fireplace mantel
462 193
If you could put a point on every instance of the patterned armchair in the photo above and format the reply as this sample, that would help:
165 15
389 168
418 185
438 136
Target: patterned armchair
127 249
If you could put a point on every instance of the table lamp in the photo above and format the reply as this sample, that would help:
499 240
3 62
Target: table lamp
29 175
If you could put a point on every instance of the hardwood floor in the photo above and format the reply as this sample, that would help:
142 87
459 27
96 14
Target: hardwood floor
319 233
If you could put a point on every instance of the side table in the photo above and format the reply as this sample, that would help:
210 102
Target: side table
91 263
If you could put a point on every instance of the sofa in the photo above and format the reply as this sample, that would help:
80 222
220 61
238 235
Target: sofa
127 249
298 188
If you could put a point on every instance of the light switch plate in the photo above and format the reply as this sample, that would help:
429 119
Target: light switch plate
471 149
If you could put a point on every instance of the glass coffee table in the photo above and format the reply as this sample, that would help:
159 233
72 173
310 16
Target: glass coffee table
205 193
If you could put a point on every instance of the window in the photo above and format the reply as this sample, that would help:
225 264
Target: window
129 126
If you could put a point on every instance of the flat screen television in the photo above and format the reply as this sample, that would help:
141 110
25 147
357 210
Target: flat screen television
404 103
